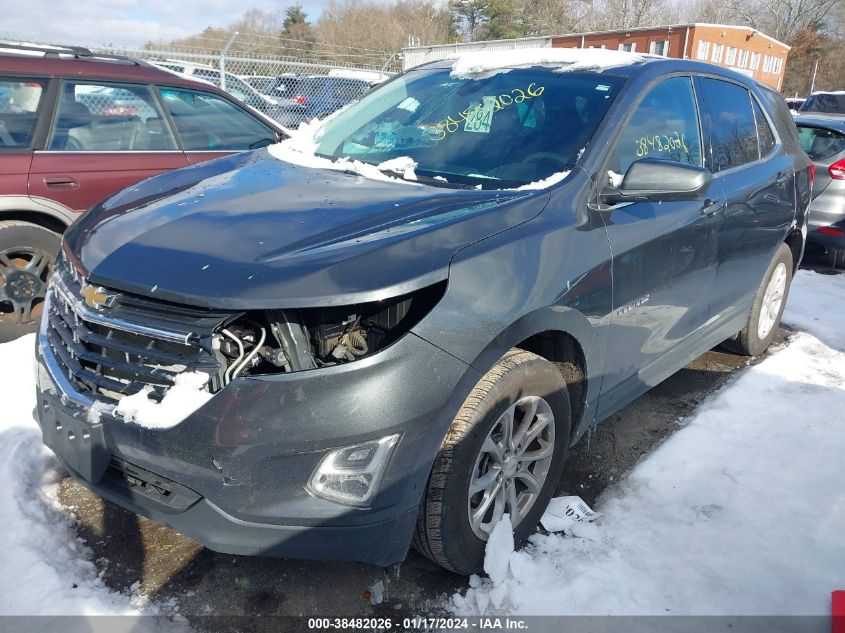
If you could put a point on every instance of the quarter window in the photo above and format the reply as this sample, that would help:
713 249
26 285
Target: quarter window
734 131
19 102
207 122
109 118
765 136
664 126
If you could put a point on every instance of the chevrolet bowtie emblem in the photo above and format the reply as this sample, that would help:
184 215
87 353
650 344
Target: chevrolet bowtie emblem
96 297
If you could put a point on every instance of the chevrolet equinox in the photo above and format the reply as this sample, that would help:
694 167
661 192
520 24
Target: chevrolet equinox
392 333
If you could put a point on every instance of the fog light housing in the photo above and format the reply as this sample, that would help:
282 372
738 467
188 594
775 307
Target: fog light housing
351 474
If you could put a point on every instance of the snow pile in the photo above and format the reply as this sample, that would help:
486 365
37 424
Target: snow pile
46 569
816 305
545 183
483 64
186 396
300 147
742 512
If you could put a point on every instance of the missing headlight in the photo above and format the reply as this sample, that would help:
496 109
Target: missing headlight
275 341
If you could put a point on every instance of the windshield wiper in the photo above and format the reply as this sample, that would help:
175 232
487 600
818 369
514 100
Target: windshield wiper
427 180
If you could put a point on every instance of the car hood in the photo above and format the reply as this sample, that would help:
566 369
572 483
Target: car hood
250 231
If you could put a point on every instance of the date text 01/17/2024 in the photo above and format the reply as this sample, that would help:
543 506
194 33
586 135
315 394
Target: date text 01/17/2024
419 623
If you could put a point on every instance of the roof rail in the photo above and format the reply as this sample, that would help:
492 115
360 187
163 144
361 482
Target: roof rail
77 52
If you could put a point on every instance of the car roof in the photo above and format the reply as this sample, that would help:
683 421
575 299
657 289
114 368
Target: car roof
830 121
605 61
99 68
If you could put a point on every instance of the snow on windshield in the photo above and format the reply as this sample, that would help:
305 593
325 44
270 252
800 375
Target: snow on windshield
488 63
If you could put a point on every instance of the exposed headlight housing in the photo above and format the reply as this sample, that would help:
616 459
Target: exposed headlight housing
351 475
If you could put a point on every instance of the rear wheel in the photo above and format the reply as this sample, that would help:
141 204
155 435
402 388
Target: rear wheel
767 308
27 255
504 453
835 257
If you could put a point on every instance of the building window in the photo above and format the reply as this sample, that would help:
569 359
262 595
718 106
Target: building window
716 58
767 64
703 49
628 47
755 61
730 56
743 58
659 48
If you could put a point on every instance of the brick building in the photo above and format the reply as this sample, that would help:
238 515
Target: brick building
740 48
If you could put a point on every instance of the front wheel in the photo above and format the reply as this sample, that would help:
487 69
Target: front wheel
27 253
767 308
504 453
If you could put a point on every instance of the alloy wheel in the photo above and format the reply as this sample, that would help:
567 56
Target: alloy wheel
772 300
512 465
23 284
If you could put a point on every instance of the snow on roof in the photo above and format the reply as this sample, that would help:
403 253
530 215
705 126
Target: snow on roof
485 63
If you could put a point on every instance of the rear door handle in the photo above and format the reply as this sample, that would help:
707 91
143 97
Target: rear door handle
60 182
783 178
712 206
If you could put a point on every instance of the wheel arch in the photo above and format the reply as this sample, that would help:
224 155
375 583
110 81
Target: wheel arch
565 337
795 241
40 211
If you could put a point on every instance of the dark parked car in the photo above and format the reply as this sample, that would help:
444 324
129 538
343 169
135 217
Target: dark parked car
389 362
825 103
77 127
317 97
823 138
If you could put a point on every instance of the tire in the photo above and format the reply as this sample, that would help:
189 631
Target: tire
27 255
519 379
754 338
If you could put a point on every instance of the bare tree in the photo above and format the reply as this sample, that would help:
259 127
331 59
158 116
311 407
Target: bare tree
783 19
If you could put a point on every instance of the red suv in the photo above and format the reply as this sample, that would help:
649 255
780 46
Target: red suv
75 127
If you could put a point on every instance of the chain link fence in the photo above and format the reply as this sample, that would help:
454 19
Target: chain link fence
283 79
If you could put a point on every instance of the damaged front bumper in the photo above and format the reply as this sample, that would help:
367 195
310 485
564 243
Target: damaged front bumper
234 474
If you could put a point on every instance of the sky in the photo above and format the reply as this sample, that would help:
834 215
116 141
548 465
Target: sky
125 22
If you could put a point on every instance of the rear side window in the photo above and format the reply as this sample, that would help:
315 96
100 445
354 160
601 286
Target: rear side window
829 102
733 127
664 126
765 136
19 103
109 118
820 143
206 122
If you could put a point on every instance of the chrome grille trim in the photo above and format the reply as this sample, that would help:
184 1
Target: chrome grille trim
103 356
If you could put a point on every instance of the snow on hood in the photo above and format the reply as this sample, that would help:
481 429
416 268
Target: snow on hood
484 64
300 150
180 401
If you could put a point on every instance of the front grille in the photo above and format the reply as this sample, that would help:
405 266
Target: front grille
135 343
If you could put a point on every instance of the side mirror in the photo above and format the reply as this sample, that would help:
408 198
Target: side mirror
658 180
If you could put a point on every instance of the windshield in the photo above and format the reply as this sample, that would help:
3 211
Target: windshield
513 128
831 102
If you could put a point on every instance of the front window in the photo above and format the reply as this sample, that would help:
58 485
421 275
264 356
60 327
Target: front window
663 126
513 128
207 122
19 102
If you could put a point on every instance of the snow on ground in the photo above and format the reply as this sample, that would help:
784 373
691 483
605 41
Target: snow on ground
742 512
46 569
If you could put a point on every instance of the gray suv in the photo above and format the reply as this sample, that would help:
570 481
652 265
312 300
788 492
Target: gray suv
395 339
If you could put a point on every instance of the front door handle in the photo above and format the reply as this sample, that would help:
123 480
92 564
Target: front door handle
60 182
712 206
